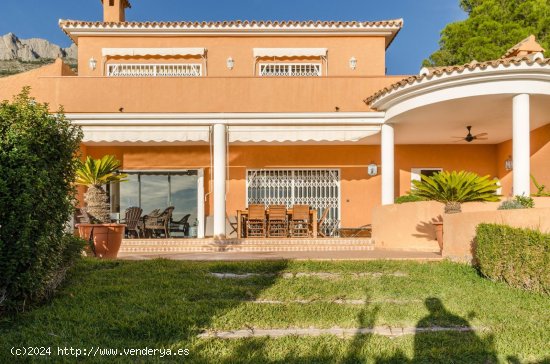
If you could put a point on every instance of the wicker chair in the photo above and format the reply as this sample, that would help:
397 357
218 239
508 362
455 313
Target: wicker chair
300 226
154 223
255 224
277 225
132 216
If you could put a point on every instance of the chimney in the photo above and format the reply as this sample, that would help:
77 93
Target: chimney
114 11
526 47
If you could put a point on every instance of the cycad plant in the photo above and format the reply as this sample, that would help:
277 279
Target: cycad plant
454 188
96 173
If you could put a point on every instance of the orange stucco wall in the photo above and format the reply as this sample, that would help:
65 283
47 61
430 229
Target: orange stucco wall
540 160
476 158
210 94
369 52
360 193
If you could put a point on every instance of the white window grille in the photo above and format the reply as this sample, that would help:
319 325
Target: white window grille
154 70
319 188
291 69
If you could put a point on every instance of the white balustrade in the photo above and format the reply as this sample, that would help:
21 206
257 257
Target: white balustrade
291 69
154 70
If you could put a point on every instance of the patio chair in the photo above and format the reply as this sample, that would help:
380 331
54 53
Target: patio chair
180 225
300 226
160 222
255 224
322 223
277 225
82 216
132 217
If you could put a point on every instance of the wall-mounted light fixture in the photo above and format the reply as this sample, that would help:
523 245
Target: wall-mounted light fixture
230 63
372 169
509 163
353 63
92 63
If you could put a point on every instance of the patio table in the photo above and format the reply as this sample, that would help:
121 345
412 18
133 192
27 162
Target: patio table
242 214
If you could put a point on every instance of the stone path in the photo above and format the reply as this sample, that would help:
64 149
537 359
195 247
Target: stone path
339 301
320 275
337 331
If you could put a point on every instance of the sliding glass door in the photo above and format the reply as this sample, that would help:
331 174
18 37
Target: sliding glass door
157 190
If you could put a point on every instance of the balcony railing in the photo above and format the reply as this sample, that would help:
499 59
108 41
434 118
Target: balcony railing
154 70
291 69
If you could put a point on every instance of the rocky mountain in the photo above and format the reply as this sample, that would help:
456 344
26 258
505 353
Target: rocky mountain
19 55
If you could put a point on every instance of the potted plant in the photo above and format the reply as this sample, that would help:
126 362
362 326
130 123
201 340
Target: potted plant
105 237
454 188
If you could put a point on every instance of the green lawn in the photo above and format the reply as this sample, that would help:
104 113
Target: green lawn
166 304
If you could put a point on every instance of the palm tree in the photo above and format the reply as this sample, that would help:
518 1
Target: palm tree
454 188
95 173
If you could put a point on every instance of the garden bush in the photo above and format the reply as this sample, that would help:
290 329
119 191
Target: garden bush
519 257
519 202
409 198
37 170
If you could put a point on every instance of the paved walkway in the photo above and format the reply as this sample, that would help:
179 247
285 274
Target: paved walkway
375 254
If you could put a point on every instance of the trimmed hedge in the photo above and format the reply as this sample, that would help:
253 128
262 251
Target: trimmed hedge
519 257
37 170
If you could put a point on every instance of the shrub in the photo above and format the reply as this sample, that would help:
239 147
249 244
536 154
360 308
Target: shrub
519 202
541 189
408 198
37 168
519 257
454 188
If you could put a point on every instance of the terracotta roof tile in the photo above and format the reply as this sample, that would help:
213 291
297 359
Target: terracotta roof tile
428 73
235 24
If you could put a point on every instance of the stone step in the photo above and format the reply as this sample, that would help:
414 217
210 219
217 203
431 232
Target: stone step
243 242
210 245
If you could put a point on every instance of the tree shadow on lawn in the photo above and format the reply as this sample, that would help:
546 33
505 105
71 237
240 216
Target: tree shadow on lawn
145 304
429 347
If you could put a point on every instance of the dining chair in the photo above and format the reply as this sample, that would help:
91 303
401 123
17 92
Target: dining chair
255 223
277 224
300 226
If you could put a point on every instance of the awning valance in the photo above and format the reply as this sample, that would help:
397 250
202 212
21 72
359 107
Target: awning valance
112 52
290 52
145 133
258 134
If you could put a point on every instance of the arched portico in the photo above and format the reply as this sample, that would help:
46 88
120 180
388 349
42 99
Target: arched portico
506 98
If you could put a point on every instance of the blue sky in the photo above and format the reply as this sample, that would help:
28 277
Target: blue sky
424 19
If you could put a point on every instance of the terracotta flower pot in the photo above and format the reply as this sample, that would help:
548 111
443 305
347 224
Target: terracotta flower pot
107 238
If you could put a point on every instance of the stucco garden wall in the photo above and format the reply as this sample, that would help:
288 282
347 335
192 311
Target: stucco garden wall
409 226
459 229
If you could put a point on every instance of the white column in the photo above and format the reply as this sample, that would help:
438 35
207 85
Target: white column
521 145
388 170
220 161
200 204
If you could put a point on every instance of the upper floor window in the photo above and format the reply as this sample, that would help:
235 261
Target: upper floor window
291 69
140 68
154 70
301 67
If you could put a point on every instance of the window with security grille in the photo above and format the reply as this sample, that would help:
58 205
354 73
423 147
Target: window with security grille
290 69
318 188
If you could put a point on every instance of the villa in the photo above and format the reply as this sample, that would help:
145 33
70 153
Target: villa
210 117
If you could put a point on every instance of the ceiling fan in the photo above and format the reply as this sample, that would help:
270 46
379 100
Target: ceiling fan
470 138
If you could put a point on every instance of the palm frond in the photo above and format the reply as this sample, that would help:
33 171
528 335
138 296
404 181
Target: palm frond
99 172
